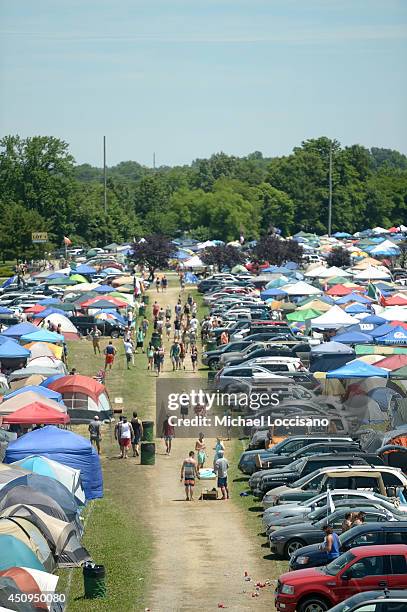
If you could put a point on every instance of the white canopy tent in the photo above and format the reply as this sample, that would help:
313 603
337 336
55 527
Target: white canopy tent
333 271
372 273
300 288
334 318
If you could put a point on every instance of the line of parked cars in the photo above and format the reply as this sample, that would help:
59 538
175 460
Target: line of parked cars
308 480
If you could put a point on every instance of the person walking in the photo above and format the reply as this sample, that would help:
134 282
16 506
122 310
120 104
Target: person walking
137 426
95 433
157 284
168 434
174 355
164 282
156 309
128 351
110 353
200 447
189 471
221 469
194 357
150 357
219 446
124 434
140 339
144 326
168 327
181 356
95 334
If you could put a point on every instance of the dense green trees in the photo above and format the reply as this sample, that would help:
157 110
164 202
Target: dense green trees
221 197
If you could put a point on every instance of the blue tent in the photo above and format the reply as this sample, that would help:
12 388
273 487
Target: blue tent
50 379
356 309
354 338
103 289
374 320
272 293
398 335
85 269
358 369
14 553
42 335
44 391
4 339
49 311
65 447
353 297
362 327
16 331
382 330
12 350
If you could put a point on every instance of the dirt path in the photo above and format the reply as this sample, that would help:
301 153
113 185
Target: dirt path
201 548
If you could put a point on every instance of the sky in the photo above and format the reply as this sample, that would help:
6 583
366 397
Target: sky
188 78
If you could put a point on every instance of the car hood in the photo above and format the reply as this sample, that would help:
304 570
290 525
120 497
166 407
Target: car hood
313 574
298 529
288 521
286 510
307 550
281 490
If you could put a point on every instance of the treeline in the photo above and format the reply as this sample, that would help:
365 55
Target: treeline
41 188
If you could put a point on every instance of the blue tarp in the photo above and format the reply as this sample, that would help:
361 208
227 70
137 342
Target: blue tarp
65 447
42 335
358 369
44 391
354 338
398 335
12 350
16 331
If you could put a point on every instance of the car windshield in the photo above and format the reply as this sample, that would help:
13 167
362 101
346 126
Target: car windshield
304 479
338 564
295 466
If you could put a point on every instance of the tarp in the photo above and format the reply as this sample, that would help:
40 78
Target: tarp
16 331
85 269
333 319
354 338
374 319
15 553
45 466
12 350
67 448
37 414
42 335
48 311
358 369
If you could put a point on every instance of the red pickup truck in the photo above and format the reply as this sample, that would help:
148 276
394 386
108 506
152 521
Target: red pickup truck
365 568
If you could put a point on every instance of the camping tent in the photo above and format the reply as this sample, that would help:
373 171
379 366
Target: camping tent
84 396
68 329
32 537
358 369
45 466
28 496
65 447
48 393
37 414
334 318
11 404
62 536
14 553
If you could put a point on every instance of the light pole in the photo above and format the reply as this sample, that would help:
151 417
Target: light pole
330 190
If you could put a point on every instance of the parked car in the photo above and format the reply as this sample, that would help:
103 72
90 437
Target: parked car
320 448
368 534
360 569
284 541
374 601
84 324
380 479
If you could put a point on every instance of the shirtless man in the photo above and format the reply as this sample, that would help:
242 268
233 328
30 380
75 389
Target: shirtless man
189 471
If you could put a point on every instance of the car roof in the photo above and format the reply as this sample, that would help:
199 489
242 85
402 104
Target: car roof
383 526
381 550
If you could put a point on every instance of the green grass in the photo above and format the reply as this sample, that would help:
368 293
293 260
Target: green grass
116 534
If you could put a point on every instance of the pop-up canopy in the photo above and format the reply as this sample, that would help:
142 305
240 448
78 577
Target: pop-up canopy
358 369
333 319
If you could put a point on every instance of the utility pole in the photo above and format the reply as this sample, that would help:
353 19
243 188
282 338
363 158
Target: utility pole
154 161
104 175
330 191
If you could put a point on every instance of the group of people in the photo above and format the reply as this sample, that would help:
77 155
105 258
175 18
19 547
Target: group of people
191 466
331 544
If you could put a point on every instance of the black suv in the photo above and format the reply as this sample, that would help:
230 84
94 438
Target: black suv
84 324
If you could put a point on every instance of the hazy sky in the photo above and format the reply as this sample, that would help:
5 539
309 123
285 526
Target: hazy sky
186 78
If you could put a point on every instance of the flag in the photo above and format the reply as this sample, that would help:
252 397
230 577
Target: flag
330 501
371 291
67 242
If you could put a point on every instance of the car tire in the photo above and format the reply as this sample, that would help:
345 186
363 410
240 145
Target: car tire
313 604
292 546
114 334
213 364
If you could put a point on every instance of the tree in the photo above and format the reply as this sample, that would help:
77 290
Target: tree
277 251
222 256
15 231
277 209
153 251
339 257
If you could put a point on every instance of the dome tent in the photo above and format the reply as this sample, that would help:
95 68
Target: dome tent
65 447
84 397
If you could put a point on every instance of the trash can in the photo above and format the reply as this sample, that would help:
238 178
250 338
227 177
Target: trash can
156 339
147 453
210 345
148 431
146 299
211 375
142 311
94 580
